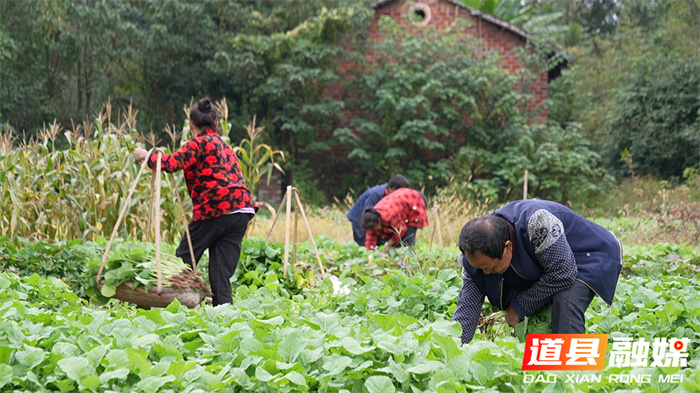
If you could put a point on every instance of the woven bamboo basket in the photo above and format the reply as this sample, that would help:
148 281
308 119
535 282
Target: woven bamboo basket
189 297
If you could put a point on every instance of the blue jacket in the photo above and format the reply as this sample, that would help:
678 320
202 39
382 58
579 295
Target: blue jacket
596 251
369 198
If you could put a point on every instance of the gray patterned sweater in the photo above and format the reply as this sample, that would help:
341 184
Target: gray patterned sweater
559 271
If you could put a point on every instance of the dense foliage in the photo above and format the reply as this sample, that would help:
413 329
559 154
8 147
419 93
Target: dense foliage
67 60
636 89
658 115
430 100
632 87
270 59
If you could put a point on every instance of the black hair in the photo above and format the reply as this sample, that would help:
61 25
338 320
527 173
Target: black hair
487 234
370 218
203 114
398 181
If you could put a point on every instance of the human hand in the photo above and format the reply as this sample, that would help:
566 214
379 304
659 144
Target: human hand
512 317
388 245
140 155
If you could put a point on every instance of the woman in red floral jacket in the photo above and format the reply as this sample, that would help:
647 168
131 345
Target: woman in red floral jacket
396 217
222 204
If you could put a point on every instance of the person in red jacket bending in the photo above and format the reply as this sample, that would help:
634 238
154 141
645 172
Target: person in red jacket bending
396 217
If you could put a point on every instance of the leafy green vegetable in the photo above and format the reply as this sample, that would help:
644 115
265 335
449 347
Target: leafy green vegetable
391 333
135 262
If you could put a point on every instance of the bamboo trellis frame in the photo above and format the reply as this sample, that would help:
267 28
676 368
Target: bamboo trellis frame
292 192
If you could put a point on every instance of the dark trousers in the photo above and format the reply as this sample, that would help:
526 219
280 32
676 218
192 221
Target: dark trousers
569 309
408 239
223 236
360 240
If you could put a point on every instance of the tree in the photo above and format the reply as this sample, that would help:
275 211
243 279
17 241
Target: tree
636 89
24 71
513 11
532 17
58 63
281 69
657 115
425 98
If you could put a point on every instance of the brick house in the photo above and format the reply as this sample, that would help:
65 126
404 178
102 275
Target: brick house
493 33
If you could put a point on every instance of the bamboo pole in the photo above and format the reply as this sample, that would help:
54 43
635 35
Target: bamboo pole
277 214
294 193
150 209
156 223
311 235
127 202
296 226
155 200
286 231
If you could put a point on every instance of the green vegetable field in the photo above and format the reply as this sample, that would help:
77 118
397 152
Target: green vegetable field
387 328
594 104
377 323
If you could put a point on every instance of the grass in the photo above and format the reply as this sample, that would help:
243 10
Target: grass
631 231
647 210
330 221
665 215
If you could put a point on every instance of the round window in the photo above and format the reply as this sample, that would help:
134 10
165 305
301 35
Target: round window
421 14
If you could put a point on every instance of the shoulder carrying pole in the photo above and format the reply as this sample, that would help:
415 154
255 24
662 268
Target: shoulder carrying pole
154 202
121 216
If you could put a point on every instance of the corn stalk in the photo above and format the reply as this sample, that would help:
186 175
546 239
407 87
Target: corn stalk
256 159
77 192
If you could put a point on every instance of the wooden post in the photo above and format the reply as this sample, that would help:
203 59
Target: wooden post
437 225
296 226
286 230
311 235
525 185
277 214
294 193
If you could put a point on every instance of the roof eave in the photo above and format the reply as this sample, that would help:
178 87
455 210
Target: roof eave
477 14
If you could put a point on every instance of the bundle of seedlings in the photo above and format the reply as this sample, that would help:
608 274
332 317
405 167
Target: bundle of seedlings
174 274
132 267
